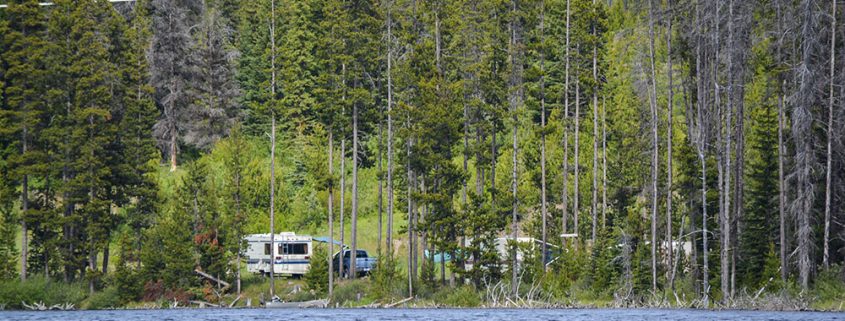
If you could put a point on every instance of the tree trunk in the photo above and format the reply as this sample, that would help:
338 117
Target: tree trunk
342 203
830 134
330 206
594 203
389 136
604 163
173 149
654 151
669 128
354 229
24 210
515 98
342 178
380 189
272 204
543 201
802 122
565 127
727 289
781 153
272 149
577 162
412 270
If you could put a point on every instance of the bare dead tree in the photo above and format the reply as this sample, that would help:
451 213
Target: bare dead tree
330 208
565 128
543 205
802 122
515 100
830 134
654 151
272 147
594 203
669 128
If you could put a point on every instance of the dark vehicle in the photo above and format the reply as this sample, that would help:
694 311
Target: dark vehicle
364 263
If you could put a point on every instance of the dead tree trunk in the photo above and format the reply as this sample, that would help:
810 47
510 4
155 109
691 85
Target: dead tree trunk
354 228
515 98
543 203
272 148
594 203
781 153
389 133
331 214
564 197
802 122
830 134
669 128
654 151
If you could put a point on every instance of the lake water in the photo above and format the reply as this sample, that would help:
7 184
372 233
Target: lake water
415 315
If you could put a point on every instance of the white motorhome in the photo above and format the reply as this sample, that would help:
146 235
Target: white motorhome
291 253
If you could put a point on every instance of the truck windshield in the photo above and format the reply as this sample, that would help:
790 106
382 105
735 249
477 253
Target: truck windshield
361 253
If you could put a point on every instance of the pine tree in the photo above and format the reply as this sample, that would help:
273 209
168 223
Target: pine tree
24 57
135 134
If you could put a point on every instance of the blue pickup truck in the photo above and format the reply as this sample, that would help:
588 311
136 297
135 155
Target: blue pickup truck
364 263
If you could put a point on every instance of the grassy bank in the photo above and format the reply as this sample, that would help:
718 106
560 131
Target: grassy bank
364 293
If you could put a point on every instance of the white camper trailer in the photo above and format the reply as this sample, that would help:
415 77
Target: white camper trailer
291 254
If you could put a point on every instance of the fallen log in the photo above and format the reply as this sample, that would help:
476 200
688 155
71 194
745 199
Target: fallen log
208 276
399 302
235 301
202 304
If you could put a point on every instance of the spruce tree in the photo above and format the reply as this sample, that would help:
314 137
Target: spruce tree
23 109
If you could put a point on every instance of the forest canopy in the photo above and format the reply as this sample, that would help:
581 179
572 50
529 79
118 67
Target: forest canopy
648 146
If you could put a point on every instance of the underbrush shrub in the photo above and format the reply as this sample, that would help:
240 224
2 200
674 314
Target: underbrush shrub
350 291
317 277
461 297
829 285
387 282
40 289
105 299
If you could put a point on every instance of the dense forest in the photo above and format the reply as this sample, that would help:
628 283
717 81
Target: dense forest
670 149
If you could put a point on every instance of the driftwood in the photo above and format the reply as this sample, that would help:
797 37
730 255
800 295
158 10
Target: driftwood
40 306
400 302
235 301
203 304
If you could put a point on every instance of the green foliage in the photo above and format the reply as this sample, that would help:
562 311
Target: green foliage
770 277
8 232
387 281
317 277
830 285
349 292
462 297
39 289
107 298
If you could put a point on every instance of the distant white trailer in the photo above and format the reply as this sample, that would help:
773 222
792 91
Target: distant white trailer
291 253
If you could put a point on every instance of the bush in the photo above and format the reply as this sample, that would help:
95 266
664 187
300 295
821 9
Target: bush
349 291
317 277
105 299
39 289
829 285
386 279
462 297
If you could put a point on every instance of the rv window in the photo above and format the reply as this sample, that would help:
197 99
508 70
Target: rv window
296 248
266 248
293 248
